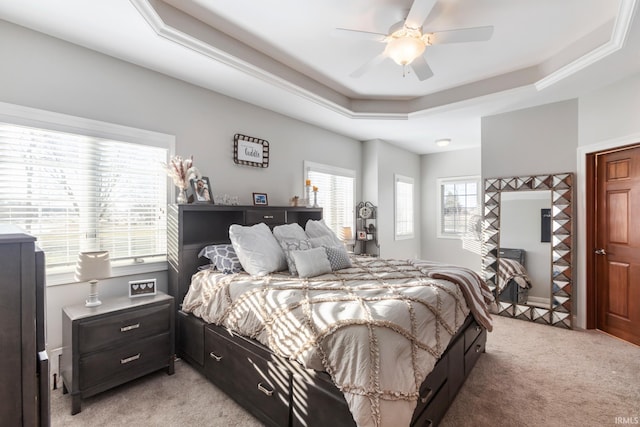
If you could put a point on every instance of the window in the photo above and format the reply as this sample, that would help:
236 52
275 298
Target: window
76 192
404 207
458 205
336 193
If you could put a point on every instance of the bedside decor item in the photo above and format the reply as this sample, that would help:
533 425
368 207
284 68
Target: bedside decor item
142 288
260 199
315 197
307 192
90 267
201 188
250 151
181 171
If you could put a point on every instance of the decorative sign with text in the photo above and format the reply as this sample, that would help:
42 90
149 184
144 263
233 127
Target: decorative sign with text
250 151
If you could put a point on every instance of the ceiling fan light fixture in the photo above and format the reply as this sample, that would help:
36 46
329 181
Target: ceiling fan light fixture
403 50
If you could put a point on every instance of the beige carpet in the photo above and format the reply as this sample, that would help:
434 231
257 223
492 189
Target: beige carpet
531 375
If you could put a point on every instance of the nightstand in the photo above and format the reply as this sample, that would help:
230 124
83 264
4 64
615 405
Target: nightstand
118 341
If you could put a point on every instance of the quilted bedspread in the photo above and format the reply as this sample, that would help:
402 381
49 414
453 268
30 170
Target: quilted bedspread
377 328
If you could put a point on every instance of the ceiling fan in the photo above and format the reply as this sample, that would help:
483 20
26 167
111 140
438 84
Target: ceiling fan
407 41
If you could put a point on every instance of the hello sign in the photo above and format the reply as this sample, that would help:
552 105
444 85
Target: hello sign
250 151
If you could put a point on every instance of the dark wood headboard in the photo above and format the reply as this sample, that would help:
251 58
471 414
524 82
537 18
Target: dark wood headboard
515 254
192 227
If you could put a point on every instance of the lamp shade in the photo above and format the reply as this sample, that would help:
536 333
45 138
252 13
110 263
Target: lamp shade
93 266
346 234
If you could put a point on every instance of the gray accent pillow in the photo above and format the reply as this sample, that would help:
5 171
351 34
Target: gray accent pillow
338 257
289 246
223 257
312 262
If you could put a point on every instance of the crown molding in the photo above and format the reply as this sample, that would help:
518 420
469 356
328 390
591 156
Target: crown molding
165 21
619 35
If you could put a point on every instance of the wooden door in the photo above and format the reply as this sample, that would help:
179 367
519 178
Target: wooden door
617 240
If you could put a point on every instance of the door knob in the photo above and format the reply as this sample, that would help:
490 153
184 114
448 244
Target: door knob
600 251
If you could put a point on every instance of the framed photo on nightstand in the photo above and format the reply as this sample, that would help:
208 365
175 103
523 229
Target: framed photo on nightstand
142 288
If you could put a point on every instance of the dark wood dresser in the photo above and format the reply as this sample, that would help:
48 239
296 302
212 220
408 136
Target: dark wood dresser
118 341
24 388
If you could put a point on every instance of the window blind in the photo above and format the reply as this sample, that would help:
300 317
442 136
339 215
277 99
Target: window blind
80 193
404 207
336 194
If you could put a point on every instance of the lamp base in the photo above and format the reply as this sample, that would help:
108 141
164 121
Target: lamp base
94 303
93 300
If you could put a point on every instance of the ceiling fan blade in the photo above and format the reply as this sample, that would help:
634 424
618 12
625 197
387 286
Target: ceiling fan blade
421 68
359 34
475 34
369 65
419 11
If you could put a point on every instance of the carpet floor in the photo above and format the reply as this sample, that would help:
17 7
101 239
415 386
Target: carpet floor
531 375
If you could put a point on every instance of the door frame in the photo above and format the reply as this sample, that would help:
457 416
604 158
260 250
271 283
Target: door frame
586 227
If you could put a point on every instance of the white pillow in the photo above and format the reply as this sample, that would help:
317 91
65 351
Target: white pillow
318 228
257 249
289 232
312 262
320 241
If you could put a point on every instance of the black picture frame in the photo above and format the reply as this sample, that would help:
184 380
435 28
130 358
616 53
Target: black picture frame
142 288
201 190
260 199
250 151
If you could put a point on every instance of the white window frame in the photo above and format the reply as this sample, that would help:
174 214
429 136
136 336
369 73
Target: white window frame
333 170
439 214
32 117
397 178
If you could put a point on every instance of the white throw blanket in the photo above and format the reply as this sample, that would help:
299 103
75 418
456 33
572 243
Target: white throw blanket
377 328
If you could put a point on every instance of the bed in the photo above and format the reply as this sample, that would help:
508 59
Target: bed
292 363
513 282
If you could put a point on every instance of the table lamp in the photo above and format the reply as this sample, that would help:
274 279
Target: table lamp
90 267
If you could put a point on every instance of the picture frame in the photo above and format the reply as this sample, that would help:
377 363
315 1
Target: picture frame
201 190
142 288
260 199
250 151
362 235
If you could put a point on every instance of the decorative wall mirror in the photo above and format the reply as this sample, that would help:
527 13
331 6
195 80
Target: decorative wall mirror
529 220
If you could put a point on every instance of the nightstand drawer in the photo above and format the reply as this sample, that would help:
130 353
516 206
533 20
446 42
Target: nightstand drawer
126 362
128 326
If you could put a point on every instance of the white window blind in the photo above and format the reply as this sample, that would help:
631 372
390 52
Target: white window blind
404 207
459 205
81 193
336 194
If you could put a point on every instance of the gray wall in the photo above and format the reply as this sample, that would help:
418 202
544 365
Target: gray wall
382 162
446 165
534 141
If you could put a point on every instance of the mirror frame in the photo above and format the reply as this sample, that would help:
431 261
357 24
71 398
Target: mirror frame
561 280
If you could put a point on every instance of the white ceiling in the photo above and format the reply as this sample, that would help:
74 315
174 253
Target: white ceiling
284 55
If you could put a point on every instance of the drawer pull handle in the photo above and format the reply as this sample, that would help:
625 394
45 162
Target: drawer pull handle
478 348
130 327
215 356
129 359
268 217
264 389
424 399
